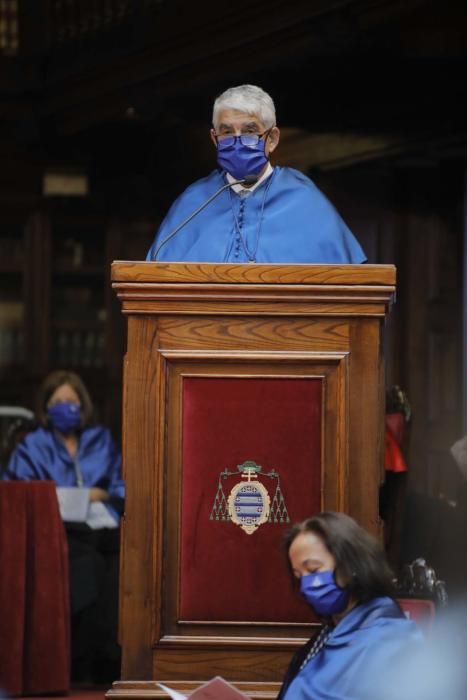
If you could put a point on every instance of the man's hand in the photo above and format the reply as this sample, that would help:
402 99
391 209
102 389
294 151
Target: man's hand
97 494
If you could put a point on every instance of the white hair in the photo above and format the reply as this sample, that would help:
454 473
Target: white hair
249 99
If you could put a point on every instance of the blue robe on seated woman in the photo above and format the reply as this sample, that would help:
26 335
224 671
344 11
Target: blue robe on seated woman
360 658
285 219
42 455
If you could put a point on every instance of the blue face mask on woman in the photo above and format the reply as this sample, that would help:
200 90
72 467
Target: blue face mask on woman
242 155
321 591
65 416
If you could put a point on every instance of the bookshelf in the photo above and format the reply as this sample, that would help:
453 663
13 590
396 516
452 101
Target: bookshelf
57 309
78 298
12 315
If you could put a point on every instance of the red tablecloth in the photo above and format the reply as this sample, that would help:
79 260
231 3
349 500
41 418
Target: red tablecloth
34 592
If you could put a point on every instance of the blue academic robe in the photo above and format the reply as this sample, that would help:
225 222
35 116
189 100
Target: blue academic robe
42 455
361 657
286 219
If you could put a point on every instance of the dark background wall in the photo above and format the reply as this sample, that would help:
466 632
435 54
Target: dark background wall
369 96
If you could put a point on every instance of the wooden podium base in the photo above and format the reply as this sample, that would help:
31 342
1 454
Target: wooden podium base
142 690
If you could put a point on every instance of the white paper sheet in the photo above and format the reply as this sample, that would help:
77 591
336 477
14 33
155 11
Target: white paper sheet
73 503
75 507
215 689
99 517
172 693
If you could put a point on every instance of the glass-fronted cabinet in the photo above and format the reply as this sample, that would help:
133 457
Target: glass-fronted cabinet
78 295
12 316
57 308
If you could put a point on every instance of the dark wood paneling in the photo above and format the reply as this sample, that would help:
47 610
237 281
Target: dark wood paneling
432 340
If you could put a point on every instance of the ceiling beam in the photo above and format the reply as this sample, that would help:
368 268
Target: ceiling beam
205 46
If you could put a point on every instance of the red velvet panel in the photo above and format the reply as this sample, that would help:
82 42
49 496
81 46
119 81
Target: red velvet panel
227 574
34 592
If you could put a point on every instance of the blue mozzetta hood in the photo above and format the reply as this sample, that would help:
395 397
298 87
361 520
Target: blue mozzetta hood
360 657
286 219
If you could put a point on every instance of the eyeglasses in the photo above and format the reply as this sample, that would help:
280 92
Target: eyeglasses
250 140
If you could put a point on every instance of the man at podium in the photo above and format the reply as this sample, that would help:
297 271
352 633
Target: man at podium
248 210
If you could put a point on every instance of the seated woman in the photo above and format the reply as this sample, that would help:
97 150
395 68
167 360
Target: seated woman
69 449
345 579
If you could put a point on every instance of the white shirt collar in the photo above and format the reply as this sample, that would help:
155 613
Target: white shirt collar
239 188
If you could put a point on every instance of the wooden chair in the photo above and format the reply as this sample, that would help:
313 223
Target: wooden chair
420 593
15 423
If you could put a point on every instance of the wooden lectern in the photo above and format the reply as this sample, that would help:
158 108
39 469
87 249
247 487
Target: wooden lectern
253 397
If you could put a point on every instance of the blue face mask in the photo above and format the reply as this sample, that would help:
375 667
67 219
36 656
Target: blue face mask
239 159
64 416
321 591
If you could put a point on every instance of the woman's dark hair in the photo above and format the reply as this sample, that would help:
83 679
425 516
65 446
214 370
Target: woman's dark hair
55 380
397 402
360 561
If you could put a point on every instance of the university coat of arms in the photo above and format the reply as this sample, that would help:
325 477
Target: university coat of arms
249 503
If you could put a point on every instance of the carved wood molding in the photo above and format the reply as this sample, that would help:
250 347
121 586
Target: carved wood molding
159 272
339 290
224 642
142 690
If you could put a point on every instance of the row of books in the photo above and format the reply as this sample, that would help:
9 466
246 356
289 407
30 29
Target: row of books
74 253
69 348
77 303
11 249
78 348
11 345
